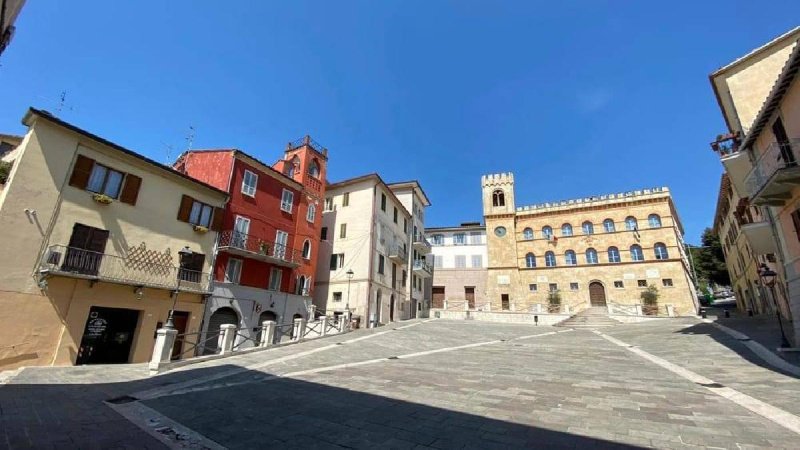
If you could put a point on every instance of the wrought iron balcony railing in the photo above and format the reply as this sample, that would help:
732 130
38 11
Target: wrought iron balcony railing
419 240
131 269
254 247
422 265
397 252
777 156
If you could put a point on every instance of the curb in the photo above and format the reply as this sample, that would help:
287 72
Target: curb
762 352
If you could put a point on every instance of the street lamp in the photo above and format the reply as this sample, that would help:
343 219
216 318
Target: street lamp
183 254
768 278
349 274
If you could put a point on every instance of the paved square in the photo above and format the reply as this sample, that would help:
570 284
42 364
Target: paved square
437 384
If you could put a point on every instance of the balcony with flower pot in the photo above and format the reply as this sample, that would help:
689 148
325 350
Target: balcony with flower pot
248 246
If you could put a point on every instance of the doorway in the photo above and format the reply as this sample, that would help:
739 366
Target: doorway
180 319
597 294
504 302
108 336
469 296
437 297
391 308
220 317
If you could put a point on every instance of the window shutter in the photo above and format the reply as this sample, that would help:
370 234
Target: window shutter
186 208
130 191
333 261
81 172
216 220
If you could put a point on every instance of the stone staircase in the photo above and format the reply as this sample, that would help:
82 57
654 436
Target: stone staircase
592 317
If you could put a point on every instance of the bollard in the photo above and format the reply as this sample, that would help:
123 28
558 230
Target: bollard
162 352
323 323
670 310
267 333
727 314
445 305
639 311
703 313
750 312
227 333
299 329
312 311
536 320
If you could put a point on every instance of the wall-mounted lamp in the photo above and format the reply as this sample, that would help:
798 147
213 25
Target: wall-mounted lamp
139 292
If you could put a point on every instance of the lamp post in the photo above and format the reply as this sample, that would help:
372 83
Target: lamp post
182 255
349 274
768 278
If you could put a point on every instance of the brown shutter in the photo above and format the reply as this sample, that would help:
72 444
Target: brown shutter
216 219
81 172
796 221
130 191
186 208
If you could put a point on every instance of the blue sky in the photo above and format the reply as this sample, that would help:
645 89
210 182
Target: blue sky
576 100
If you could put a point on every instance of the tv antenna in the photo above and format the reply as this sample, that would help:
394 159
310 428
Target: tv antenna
190 138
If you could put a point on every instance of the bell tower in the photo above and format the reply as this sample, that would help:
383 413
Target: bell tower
501 242
498 193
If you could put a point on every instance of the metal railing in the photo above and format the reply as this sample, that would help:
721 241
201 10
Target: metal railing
419 239
627 310
232 239
306 140
776 157
196 343
422 265
71 261
397 251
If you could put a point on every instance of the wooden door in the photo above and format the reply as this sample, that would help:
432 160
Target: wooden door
469 296
437 297
181 320
597 294
86 247
504 302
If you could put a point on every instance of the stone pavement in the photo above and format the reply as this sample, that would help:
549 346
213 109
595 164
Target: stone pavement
762 328
437 384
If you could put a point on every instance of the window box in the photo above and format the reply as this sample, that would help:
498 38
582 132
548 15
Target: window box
200 229
102 198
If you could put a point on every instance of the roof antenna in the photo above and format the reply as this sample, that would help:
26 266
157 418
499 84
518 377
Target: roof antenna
62 103
169 149
190 138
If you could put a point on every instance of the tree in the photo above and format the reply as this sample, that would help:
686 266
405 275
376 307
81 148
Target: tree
709 261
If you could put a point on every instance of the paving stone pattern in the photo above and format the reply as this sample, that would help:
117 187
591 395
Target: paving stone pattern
572 389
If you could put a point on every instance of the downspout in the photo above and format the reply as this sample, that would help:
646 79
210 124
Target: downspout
372 250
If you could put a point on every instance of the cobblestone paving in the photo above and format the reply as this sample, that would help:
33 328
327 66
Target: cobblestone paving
440 384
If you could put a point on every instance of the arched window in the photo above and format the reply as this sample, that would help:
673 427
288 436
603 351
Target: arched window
654 220
588 228
636 253
570 258
294 166
313 168
547 232
530 260
311 214
661 251
566 230
608 225
498 198
613 255
591 256
550 259
301 282
630 223
307 249
527 234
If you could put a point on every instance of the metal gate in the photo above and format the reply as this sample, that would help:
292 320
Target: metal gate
597 294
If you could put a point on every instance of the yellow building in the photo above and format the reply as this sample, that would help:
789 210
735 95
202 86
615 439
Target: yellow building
594 251
91 242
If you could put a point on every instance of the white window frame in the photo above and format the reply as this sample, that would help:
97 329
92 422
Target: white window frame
307 241
249 189
241 230
233 262
272 279
461 261
281 245
287 201
311 214
479 260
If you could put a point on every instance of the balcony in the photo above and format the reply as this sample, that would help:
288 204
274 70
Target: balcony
776 172
398 254
248 246
422 269
421 244
61 260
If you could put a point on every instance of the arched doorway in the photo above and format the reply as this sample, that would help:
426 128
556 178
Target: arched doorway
391 308
266 315
377 314
219 317
597 294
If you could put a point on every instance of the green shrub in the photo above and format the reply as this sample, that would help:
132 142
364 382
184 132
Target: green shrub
650 300
5 169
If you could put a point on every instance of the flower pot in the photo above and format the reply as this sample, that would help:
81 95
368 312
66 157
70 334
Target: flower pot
102 199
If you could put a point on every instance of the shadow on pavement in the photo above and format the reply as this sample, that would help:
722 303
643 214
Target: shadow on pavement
276 413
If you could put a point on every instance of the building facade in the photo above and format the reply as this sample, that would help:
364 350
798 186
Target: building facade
9 11
593 251
267 252
459 265
103 246
364 254
415 201
758 97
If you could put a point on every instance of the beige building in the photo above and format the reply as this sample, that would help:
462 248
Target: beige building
459 266
101 238
758 96
366 234
593 251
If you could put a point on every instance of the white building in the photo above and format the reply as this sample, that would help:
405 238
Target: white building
460 261
366 240
412 196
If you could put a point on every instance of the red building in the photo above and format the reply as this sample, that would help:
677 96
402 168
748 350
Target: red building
266 254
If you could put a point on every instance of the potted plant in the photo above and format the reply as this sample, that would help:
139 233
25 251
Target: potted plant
554 301
650 301
102 198
200 229
263 248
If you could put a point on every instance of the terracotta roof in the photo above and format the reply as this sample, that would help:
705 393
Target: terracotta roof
238 153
